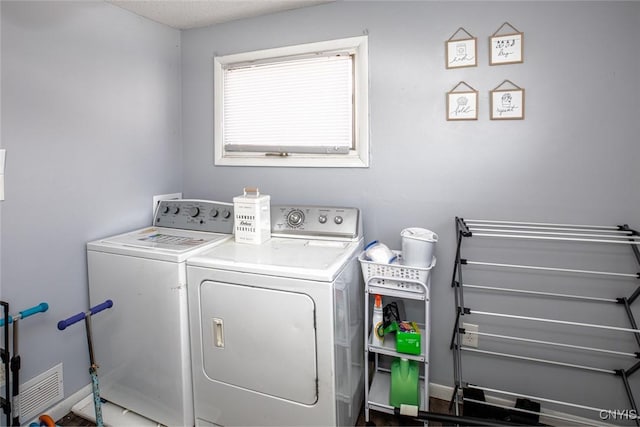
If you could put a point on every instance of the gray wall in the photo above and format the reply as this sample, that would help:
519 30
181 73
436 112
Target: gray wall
92 119
573 159
91 124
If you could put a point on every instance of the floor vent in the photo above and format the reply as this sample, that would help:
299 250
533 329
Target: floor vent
40 393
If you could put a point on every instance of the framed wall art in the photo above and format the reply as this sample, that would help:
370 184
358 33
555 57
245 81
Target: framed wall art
461 51
507 102
506 48
462 103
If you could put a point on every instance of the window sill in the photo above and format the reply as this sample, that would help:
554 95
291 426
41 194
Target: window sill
294 160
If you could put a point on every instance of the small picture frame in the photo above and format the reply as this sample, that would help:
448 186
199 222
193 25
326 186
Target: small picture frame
506 48
462 104
507 103
461 52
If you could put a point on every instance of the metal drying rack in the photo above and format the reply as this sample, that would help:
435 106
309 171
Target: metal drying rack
550 233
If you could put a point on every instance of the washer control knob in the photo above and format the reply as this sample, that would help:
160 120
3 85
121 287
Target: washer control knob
213 213
322 219
166 209
295 218
194 212
176 210
226 213
338 220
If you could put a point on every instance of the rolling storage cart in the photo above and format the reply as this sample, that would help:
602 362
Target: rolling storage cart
548 321
397 282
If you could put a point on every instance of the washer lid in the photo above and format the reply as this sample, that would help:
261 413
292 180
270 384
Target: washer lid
167 244
319 260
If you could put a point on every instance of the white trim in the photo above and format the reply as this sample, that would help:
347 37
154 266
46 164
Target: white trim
81 403
112 414
358 158
63 407
281 52
438 391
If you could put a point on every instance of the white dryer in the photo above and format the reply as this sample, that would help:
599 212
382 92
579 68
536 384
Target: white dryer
142 344
276 329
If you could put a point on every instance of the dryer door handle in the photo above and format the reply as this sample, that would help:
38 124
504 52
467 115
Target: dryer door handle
218 332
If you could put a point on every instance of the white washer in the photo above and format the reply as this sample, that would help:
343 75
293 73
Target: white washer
276 328
142 343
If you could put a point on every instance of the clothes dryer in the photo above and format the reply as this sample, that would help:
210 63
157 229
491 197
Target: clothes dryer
143 342
276 328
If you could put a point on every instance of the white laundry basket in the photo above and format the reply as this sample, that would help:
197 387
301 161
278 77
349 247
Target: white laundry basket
252 217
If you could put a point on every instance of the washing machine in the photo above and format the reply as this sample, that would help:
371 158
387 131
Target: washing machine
142 343
276 328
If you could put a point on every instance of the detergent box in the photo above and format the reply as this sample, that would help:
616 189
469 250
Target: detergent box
408 338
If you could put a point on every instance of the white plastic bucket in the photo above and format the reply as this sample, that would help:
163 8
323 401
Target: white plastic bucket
418 246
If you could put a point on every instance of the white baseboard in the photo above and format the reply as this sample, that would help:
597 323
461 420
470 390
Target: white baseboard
63 407
81 402
437 391
112 414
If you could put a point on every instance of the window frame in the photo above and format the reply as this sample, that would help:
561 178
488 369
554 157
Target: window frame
358 157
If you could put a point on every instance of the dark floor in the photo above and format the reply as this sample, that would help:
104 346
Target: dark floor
72 419
379 419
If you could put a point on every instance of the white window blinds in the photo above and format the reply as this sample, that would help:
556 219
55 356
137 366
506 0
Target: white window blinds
302 105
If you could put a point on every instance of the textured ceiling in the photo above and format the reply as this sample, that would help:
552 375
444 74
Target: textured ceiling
185 14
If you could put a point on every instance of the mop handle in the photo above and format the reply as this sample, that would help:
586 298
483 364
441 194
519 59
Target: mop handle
62 325
40 308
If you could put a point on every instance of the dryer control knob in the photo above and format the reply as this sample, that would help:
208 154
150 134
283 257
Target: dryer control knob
295 218
226 213
338 220
322 219
176 210
194 212
213 213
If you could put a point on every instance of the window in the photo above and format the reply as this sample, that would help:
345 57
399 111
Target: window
304 105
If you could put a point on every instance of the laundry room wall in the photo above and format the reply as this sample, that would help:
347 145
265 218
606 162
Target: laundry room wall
1 146
571 160
91 124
